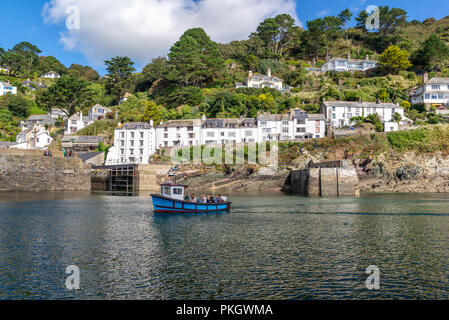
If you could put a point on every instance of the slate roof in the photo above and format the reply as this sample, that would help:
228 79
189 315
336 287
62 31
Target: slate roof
359 105
82 139
84 156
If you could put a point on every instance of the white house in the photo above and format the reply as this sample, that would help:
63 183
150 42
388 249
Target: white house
134 143
98 112
51 75
6 87
261 81
339 113
274 127
34 138
296 125
348 64
56 113
76 122
178 133
223 131
433 91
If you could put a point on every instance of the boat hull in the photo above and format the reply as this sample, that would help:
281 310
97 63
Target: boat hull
163 204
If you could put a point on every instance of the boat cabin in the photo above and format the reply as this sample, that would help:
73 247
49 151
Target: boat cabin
173 191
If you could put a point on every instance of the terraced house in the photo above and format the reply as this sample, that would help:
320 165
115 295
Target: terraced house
339 113
178 132
432 92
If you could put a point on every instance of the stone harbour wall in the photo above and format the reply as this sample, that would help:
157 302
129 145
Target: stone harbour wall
324 182
30 171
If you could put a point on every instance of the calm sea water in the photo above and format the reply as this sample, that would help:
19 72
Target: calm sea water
268 247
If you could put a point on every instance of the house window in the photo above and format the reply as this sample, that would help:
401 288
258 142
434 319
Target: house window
209 134
122 134
165 144
262 123
231 134
141 135
122 151
122 143
300 121
427 96
317 130
141 151
285 122
189 128
333 108
178 128
132 143
165 129
131 151
191 135
300 129
165 135
222 134
132 135
334 116
141 143
248 133
435 87
317 123
284 130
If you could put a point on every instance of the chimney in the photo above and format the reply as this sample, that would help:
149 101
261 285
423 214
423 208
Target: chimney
250 74
269 73
425 77
151 122
367 57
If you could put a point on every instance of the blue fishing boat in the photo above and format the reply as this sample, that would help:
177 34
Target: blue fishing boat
171 200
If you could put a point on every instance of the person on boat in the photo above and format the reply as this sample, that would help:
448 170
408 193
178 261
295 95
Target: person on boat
210 198
217 199
220 199
203 199
192 198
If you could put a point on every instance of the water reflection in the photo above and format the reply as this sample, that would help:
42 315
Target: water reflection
279 247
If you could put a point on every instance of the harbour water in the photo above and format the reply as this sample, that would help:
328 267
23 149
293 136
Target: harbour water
267 247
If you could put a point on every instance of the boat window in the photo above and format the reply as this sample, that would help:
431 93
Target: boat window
177 191
167 191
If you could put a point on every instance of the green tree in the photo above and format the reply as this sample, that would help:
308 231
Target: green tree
29 52
68 94
119 77
345 16
433 54
153 112
194 59
394 59
278 34
315 36
331 27
397 117
19 106
83 72
157 69
15 62
50 63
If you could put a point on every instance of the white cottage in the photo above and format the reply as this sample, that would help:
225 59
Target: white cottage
134 143
261 81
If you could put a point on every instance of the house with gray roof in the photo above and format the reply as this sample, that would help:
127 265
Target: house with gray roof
348 64
80 143
339 113
76 122
261 81
431 92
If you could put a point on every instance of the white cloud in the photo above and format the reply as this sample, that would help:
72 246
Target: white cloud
323 13
142 29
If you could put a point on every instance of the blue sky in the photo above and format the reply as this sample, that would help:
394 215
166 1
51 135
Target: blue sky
24 21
